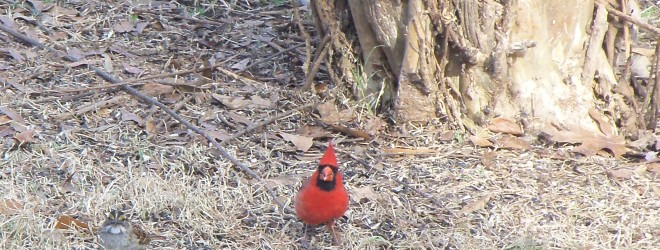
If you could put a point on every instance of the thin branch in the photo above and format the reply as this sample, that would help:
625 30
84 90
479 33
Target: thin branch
317 63
595 45
266 122
308 38
176 108
134 82
655 108
640 23
153 101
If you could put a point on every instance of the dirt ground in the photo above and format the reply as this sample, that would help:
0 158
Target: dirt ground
73 150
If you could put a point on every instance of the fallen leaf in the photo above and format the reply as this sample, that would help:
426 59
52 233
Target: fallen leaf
139 27
131 69
104 112
25 136
129 116
241 65
68 222
217 134
230 102
41 6
150 126
124 26
374 125
156 89
512 142
488 159
329 112
446 135
505 126
239 118
10 206
476 205
481 142
11 113
302 143
602 122
258 102
313 131
364 194
590 142
621 173
107 63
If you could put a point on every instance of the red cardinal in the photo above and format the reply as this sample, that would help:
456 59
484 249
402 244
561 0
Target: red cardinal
323 198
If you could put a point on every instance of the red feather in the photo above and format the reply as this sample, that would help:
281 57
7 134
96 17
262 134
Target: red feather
316 205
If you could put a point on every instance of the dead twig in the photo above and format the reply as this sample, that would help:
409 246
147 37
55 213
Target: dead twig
67 98
308 38
176 108
655 105
134 82
152 101
323 46
266 122
94 106
640 23
595 45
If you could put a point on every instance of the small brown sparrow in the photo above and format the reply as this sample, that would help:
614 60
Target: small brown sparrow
117 233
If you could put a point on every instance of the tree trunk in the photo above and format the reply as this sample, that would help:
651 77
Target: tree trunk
538 62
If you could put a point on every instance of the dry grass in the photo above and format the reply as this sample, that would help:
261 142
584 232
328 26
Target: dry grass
174 185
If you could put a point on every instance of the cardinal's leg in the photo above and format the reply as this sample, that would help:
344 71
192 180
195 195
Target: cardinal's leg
335 237
309 232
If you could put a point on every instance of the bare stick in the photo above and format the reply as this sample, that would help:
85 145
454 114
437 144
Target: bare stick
69 97
150 100
308 39
134 82
317 63
266 122
176 108
97 105
640 23
595 45
655 108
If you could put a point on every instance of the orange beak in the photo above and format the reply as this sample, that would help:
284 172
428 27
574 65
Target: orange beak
327 174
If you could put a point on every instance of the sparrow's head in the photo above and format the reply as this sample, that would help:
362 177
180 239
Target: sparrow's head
328 170
115 223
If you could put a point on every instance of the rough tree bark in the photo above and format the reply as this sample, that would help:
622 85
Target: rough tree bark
542 63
